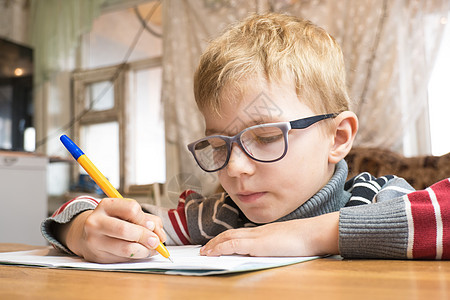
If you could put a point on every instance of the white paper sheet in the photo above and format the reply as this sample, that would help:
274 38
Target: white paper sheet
187 261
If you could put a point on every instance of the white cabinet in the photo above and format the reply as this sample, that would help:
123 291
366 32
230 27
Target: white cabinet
23 197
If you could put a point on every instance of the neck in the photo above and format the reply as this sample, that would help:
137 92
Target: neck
330 198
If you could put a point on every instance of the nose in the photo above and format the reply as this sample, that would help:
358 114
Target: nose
239 163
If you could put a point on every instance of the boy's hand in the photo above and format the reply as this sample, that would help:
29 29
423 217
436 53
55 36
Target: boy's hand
116 231
302 237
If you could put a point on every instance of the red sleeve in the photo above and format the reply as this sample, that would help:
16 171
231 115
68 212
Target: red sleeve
178 219
428 213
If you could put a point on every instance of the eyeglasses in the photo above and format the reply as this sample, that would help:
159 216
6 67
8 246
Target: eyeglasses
264 143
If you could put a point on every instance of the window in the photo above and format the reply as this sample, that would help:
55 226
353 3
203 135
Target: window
100 111
146 128
439 99
117 101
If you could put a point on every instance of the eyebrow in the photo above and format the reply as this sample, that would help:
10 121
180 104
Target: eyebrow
212 131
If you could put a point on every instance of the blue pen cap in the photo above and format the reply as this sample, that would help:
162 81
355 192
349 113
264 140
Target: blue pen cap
71 146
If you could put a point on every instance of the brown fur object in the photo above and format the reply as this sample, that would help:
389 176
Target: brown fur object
420 171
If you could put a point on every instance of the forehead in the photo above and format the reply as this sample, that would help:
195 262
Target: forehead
257 104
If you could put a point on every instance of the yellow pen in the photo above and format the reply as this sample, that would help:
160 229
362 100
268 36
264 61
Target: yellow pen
100 179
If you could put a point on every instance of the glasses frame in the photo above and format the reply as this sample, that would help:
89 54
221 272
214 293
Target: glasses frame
284 126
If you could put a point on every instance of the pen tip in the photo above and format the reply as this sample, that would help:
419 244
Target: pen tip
170 259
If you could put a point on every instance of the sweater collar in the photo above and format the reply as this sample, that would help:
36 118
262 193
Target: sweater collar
330 198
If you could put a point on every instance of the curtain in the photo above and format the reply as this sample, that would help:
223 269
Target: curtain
389 48
55 30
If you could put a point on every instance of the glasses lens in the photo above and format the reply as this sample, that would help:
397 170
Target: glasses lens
211 153
264 143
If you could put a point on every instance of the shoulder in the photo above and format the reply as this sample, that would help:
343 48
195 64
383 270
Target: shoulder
365 188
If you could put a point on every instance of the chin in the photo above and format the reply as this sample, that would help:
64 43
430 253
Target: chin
258 219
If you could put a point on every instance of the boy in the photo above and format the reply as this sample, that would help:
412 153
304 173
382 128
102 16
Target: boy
278 126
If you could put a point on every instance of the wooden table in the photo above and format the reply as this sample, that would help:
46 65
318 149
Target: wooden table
329 278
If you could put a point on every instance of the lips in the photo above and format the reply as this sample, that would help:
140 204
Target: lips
248 197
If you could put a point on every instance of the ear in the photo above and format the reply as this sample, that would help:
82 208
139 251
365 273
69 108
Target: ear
343 136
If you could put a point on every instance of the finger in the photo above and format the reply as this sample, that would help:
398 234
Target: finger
154 223
229 242
125 209
127 250
235 246
121 230
131 211
114 250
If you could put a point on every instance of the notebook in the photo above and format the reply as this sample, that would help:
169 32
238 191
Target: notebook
186 261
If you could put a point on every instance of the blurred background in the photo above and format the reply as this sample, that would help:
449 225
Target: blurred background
116 76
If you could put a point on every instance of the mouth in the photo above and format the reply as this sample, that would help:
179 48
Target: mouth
248 197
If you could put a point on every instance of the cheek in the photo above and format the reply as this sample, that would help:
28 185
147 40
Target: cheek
310 147
305 162
223 179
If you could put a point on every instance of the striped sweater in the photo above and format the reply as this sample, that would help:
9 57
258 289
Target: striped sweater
379 217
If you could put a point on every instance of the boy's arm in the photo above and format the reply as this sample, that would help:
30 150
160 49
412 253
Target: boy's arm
413 226
64 215
174 221
113 230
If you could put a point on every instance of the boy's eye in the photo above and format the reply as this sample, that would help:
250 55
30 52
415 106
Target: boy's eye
268 139
265 135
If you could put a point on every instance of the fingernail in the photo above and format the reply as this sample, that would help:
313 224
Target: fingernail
203 251
164 235
150 225
153 242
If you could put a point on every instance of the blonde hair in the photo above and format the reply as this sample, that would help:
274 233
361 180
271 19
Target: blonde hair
275 47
